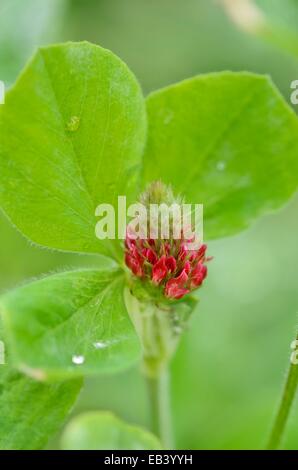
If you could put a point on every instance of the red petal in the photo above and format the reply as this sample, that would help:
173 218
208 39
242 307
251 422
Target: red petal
150 256
187 267
171 263
198 255
182 253
134 264
159 270
175 292
175 287
202 251
198 275
130 243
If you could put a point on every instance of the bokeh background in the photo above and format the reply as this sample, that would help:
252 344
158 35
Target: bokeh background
228 373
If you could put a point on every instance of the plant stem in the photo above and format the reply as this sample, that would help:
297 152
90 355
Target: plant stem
159 397
285 407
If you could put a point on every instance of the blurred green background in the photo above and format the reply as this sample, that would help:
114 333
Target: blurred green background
228 373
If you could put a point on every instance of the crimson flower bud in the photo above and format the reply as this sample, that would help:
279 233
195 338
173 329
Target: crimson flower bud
168 264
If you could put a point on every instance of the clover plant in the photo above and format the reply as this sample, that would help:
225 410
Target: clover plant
76 131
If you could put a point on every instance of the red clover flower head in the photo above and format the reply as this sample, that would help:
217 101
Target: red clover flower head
166 263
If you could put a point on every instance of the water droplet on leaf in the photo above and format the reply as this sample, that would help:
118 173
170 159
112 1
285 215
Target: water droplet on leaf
178 330
78 360
100 345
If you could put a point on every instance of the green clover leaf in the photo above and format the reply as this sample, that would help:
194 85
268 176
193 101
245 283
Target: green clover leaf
103 430
70 324
30 405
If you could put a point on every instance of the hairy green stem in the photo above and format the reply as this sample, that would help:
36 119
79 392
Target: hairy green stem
159 328
285 406
160 408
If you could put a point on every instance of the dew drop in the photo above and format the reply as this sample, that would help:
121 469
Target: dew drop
221 166
100 345
78 360
178 330
73 124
